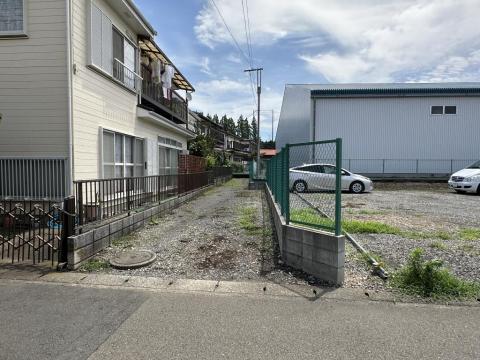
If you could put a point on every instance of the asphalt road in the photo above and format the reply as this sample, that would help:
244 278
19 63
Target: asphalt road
58 321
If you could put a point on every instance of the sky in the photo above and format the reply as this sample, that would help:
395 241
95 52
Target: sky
312 41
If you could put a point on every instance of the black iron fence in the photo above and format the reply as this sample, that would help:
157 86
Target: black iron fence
221 172
35 231
102 199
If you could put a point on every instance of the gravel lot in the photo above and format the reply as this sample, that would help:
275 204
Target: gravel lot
204 239
430 216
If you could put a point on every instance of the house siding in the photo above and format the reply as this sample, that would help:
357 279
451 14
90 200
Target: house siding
33 85
99 102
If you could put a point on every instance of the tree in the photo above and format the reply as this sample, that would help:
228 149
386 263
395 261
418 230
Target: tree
243 128
270 144
253 132
202 145
215 119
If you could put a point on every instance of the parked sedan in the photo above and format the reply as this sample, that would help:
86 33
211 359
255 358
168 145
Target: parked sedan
466 180
322 177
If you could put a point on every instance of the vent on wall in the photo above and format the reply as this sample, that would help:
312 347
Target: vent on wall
34 179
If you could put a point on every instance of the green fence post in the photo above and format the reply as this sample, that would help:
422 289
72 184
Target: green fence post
338 188
286 187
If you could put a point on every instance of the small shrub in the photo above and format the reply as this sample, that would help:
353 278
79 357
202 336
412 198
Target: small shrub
429 278
470 234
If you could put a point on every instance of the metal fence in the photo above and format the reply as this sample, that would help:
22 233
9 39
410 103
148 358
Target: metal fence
102 199
305 180
33 178
405 166
35 231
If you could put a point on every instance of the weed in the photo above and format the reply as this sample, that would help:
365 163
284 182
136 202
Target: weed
153 222
422 235
310 216
428 278
438 245
366 258
470 234
371 212
95 265
248 217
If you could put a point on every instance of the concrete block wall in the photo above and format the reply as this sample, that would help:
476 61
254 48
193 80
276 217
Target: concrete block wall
318 253
83 246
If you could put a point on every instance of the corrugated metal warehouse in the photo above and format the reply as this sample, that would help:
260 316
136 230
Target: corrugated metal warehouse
388 130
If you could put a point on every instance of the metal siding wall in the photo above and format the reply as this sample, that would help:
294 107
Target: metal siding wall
295 118
401 128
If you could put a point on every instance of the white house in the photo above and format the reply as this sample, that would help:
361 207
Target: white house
85 93
388 129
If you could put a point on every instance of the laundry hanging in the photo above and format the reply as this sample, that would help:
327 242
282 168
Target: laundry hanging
156 71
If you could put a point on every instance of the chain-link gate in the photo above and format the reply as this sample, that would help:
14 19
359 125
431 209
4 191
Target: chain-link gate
35 231
305 180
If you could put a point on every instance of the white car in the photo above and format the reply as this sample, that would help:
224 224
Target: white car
466 180
322 177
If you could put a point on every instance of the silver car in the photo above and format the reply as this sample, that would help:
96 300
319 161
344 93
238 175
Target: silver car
322 177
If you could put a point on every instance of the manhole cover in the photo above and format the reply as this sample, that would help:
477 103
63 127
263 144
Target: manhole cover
133 259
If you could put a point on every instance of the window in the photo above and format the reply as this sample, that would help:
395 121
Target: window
437 110
12 17
327 169
450 110
441 110
168 150
111 51
101 40
122 155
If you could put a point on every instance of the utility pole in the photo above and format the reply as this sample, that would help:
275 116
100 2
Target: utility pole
273 117
259 91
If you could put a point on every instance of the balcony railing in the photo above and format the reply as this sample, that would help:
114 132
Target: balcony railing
176 106
126 77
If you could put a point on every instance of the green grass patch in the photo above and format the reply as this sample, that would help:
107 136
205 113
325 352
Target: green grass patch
312 217
470 234
428 278
248 219
423 235
95 265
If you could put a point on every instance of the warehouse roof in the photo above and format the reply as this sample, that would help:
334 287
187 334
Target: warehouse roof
395 89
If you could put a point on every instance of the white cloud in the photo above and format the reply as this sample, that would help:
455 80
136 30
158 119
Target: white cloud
205 66
234 98
370 40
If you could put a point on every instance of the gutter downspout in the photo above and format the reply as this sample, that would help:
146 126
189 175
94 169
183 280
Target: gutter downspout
71 174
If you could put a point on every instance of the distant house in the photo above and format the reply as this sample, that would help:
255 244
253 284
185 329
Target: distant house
85 93
233 147
267 153
388 129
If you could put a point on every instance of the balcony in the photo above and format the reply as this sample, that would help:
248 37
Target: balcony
126 77
174 109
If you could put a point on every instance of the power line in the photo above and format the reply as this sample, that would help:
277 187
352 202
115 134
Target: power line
242 53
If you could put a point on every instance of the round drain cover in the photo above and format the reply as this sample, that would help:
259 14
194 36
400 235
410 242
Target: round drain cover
133 259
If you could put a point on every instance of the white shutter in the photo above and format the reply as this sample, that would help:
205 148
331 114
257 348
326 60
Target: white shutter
96 36
107 44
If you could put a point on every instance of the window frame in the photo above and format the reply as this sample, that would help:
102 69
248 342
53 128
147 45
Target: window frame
450 106
123 164
437 106
18 33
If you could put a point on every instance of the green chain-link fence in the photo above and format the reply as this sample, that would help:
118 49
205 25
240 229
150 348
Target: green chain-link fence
305 180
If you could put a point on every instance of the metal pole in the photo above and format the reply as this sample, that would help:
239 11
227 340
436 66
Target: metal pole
259 91
338 188
273 116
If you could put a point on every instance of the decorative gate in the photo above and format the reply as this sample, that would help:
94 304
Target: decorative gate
35 231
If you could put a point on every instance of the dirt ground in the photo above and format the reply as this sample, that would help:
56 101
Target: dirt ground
429 216
225 234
